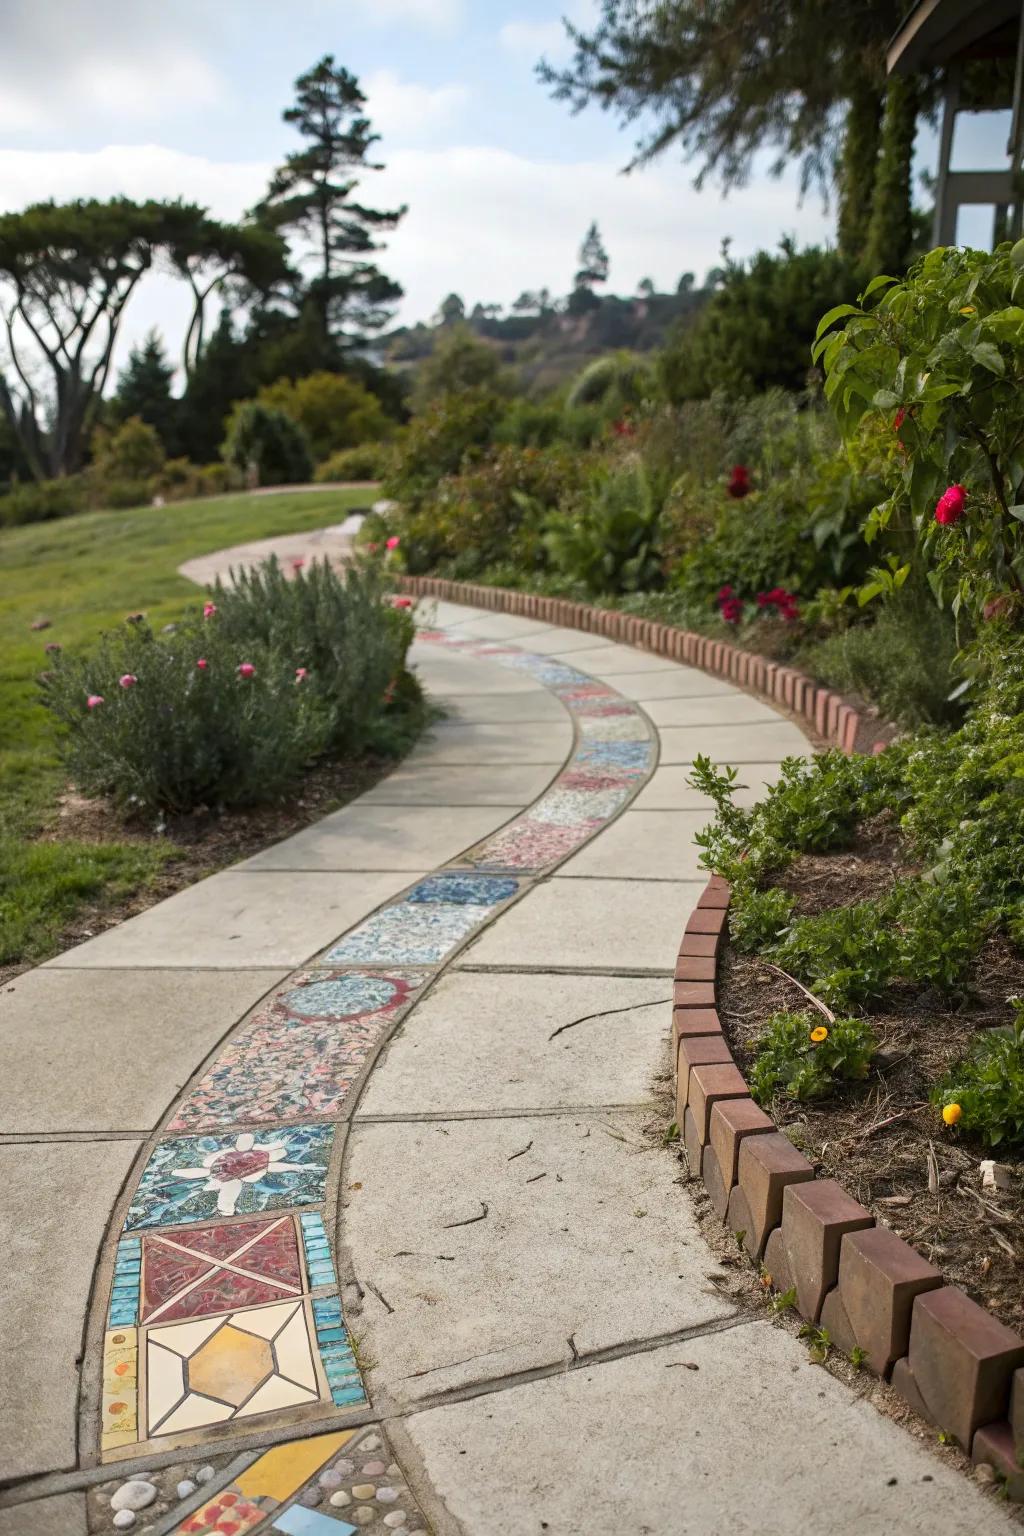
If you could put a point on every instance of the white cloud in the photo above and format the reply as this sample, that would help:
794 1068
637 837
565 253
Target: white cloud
547 39
483 222
404 109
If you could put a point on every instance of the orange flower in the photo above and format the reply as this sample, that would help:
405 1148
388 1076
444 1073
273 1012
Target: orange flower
951 1113
819 1034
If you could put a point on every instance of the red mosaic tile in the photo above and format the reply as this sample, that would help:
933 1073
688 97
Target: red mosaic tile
215 1269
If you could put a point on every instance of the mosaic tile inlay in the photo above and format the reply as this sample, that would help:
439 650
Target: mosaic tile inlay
237 1264
301 1053
236 1365
224 1301
194 1178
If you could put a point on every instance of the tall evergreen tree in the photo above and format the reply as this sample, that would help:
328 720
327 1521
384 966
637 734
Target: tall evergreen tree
144 390
593 260
312 193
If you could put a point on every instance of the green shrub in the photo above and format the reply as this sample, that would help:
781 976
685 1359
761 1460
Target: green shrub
341 627
180 736
902 662
610 541
988 1085
334 411
756 330
617 383
130 452
439 441
367 461
801 1056
537 424
217 479
267 445
40 502
231 707
118 495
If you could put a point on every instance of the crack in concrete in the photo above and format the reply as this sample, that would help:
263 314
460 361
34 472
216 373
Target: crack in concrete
606 1013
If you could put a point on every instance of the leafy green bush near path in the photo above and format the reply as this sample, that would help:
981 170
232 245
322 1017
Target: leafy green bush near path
801 1056
233 705
988 1085
959 801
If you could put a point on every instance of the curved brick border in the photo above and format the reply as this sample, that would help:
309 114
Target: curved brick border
834 718
949 1358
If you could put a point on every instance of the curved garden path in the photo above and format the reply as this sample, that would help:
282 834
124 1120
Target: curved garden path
360 1129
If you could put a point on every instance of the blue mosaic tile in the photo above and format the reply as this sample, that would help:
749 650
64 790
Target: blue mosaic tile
124 1293
319 1264
339 1362
341 997
195 1178
635 755
481 890
410 934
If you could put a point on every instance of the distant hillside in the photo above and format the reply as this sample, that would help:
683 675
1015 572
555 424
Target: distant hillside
550 346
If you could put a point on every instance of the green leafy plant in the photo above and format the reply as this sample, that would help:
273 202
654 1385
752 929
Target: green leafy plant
610 541
988 1085
941 355
802 1057
267 444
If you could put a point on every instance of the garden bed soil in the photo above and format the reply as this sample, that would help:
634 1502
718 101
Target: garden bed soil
876 1138
201 843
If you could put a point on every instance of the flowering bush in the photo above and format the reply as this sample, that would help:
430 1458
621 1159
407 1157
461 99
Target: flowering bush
801 1057
941 356
986 1089
211 715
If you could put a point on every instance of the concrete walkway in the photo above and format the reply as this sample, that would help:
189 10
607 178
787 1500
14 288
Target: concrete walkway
357 1131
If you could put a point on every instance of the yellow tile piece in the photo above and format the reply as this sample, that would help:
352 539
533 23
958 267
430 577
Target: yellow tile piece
119 1405
280 1471
230 1365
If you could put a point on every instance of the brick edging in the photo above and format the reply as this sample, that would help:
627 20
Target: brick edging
950 1359
834 718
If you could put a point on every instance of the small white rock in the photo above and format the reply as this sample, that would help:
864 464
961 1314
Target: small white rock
124 1519
185 1487
340 1499
395 1519
204 1474
135 1494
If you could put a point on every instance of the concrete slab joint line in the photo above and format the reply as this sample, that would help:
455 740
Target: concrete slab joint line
955 1364
401 1248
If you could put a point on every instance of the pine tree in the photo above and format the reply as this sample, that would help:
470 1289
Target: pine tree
144 390
312 193
593 260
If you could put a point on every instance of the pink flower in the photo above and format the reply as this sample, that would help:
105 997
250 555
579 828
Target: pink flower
301 673
52 648
298 562
949 508
127 680
246 669
393 542
209 609
402 602
94 701
202 663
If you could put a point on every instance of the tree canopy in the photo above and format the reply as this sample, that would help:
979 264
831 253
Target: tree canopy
312 192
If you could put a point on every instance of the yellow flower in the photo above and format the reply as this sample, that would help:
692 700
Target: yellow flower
819 1034
968 309
951 1113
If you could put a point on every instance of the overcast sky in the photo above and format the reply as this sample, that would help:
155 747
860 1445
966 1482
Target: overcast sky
184 98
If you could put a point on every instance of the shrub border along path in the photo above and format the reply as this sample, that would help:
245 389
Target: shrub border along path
949 1359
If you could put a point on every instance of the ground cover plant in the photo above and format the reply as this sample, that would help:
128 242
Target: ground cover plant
78 578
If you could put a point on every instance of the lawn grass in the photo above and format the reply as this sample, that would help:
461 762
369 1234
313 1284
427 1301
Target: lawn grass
85 574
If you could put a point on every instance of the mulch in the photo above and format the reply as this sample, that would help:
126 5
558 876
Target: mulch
882 1139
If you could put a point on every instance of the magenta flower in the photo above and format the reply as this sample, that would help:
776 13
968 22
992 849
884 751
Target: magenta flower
127 680
94 701
949 508
202 663
393 542
209 609
301 673
298 562
246 669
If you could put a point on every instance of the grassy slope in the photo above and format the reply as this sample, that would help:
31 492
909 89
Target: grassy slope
86 574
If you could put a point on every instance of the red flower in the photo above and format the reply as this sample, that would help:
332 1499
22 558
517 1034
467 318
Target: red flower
402 602
739 482
949 508
202 663
722 594
245 669
623 428
899 418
